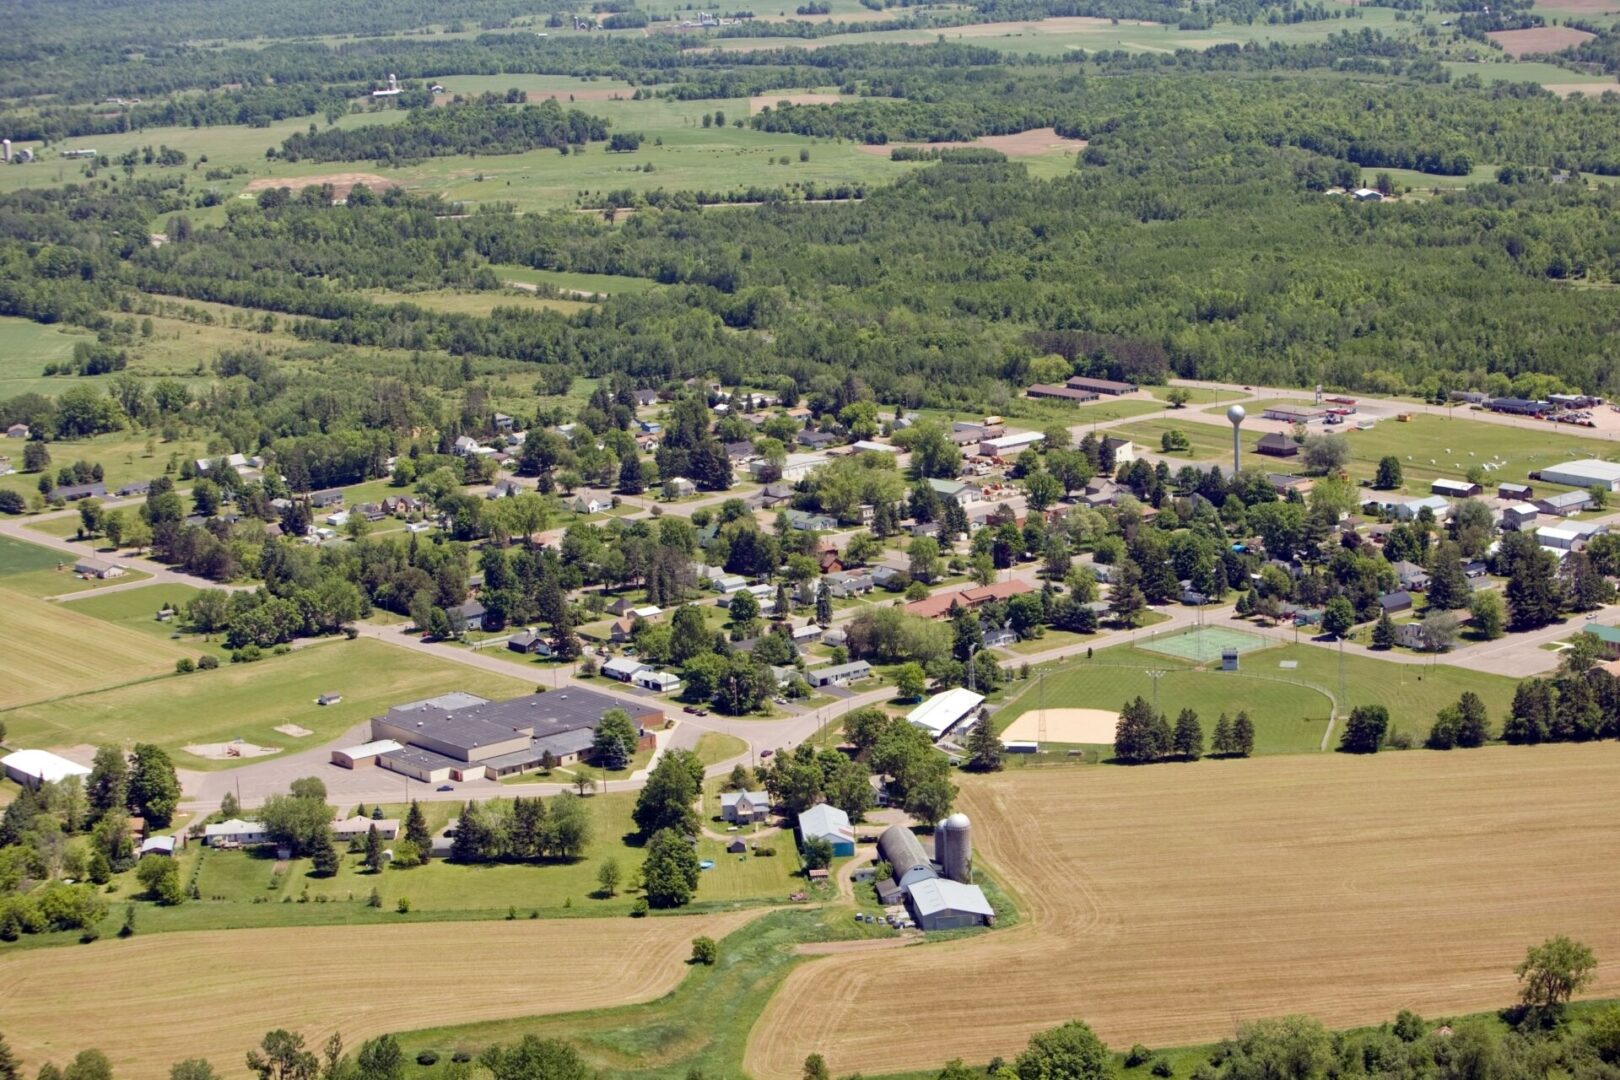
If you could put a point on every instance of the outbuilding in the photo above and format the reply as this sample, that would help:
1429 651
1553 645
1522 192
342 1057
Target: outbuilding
31 768
944 711
1586 473
826 822
942 904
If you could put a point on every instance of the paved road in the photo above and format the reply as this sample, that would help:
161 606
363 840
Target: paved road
159 573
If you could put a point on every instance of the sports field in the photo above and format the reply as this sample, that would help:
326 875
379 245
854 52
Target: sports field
247 701
1206 644
224 989
1166 905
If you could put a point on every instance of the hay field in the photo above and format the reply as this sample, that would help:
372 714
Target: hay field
215 993
1542 39
1166 905
46 655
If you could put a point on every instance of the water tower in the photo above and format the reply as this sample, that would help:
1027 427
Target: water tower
1235 416
953 848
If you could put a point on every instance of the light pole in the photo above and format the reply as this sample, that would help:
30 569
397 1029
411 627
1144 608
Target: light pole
1155 675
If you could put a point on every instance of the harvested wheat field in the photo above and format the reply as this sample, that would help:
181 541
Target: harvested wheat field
223 989
1166 904
1024 144
1542 39
46 658
1065 725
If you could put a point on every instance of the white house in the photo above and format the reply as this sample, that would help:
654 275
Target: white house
590 502
97 568
235 833
745 807
623 668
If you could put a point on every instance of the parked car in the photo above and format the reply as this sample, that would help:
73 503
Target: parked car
446 787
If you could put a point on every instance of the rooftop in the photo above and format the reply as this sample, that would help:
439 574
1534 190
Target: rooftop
940 712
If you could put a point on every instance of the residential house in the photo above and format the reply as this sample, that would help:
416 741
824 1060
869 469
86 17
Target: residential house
326 497
623 668
1124 450
1282 483
740 452
358 828
465 446
504 422
775 494
620 632
501 489
843 584
804 521
17 431
679 487
886 577
98 568
839 674
795 468
1411 575
471 614
745 807
589 501
808 634
235 833
958 491
816 440
645 397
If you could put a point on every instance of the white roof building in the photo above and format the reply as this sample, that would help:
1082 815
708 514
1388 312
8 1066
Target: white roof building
826 822
235 831
943 904
1010 444
1586 473
944 711
34 767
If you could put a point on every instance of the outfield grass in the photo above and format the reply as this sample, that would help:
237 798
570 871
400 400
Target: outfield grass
1289 706
245 701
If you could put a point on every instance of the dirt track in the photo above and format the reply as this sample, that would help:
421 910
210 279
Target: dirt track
1167 904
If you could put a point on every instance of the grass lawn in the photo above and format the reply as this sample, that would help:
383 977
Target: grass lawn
1204 440
17 558
237 700
136 609
45 583
1052 639
716 746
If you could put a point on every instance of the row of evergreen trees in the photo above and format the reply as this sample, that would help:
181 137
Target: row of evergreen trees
1145 735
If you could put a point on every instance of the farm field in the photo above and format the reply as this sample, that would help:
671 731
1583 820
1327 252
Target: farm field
1542 39
568 280
251 981
1389 872
25 348
477 303
1549 75
47 660
245 701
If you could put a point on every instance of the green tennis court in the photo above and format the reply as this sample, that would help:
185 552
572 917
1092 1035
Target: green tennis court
1205 644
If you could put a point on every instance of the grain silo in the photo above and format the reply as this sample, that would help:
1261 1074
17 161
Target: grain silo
953 848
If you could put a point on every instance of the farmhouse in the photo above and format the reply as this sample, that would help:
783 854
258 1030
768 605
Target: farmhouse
464 737
1274 445
97 568
1111 387
825 822
745 807
31 768
942 712
235 833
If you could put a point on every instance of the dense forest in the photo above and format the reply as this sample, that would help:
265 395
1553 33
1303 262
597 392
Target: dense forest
481 127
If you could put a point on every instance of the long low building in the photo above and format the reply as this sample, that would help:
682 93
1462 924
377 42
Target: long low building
465 737
31 768
942 712
1586 473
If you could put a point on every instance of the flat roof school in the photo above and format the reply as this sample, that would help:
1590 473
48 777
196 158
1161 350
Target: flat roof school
461 736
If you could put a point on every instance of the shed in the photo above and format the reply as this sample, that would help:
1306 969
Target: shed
825 822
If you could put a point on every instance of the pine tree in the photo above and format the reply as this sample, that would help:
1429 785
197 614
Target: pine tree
467 846
1473 727
984 746
1383 633
1243 735
1189 736
824 610
416 830
1448 585
1135 737
1164 738
374 849
9 1067
564 643
1221 742
784 606
322 854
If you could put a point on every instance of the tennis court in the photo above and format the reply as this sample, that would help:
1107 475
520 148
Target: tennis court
1204 644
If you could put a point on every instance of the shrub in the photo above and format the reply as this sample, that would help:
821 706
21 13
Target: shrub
207 662
404 905
184 666
1139 1055
1162 1067
639 911
427 1057
247 654
705 951
461 1057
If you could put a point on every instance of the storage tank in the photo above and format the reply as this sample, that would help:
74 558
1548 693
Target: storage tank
953 848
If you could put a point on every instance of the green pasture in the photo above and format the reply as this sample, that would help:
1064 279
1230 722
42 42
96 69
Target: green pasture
570 281
26 347
1530 71
124 456
476 303
249 701
18 558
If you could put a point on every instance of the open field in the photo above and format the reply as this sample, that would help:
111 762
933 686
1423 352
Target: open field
125 456
477 303
1024 144
1367 885
250 981
48 655
1549 75
247 701
1542 39
570 281
25 348
136 609
760 102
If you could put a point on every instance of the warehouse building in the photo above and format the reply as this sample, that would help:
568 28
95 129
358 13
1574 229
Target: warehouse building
942 712
465 737
1586 473
31 768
